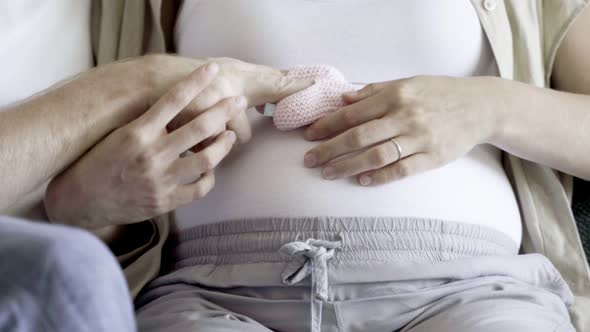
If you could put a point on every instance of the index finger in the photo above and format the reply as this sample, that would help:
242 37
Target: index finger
179 97
269 85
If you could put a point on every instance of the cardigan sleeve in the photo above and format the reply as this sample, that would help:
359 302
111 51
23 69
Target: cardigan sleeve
557 18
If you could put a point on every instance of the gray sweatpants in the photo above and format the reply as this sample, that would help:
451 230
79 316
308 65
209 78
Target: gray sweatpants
362 274
55 278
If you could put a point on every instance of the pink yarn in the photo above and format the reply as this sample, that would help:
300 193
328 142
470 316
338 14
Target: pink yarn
322 98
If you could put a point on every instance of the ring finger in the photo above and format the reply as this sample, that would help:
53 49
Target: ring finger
373 158
352 140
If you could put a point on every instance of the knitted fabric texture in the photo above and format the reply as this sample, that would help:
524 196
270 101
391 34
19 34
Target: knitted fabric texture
320 99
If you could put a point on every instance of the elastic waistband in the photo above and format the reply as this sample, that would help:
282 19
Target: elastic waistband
361 239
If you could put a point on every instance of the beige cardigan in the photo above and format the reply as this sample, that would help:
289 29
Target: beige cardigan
524 35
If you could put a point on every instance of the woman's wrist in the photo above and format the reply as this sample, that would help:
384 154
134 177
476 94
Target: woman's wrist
497 102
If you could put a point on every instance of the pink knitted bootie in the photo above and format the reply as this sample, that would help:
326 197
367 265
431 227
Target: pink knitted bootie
320 99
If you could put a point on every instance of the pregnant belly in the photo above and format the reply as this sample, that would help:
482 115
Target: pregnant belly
266 178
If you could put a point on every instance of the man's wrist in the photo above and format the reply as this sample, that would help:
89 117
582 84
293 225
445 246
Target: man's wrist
159 72
130 90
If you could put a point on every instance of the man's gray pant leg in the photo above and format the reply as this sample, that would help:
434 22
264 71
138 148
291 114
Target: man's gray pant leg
56 278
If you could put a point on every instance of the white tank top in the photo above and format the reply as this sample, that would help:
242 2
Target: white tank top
372 40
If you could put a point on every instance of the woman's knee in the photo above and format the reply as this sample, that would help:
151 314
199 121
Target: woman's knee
63 255
76 257
63 276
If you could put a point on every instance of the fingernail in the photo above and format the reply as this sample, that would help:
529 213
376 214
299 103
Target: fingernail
365 180
310 159
240 101
212 68
329 173
232 136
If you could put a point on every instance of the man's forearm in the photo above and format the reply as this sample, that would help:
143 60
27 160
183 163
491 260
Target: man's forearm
42 136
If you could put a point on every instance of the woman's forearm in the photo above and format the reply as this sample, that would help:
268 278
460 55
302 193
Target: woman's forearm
41 136
544 125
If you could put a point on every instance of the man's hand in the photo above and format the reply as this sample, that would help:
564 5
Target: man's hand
44 135
136 173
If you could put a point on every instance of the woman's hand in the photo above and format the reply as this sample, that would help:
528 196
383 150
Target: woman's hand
434 120
259 84
136 173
